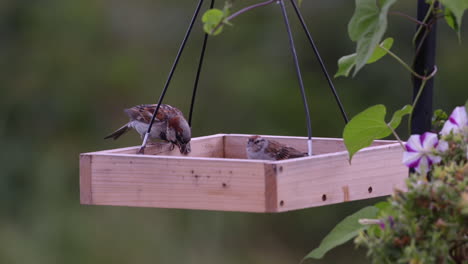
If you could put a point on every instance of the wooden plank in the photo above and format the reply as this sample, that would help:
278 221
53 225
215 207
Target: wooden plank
271 188
208 146
235 144
327 179
178 182
86 196
216 176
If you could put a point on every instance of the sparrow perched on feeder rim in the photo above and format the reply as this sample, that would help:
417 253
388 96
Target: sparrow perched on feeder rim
267 149
169 125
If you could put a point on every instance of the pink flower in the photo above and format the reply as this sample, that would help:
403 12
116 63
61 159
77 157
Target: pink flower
457 122
420 151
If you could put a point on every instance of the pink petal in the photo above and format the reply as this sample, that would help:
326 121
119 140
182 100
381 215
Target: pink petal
457 121
414 143
411 159
414 164
433 159
448 127
409 149
429 141
423 165
443 146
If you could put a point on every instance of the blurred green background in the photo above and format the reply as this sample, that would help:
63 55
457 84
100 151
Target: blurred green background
68 68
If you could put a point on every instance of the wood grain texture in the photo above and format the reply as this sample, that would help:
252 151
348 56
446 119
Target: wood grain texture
178 182
329 178
271 188
208 146
235 144
216 176
86 196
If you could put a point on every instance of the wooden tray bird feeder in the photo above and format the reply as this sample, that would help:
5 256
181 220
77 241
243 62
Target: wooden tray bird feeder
216 174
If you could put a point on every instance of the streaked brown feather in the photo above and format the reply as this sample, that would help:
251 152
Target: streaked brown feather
144 113
282 152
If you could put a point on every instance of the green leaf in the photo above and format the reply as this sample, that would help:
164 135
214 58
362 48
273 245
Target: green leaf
381 50
399 114
347 229
370 125
346 63
382 206
455 9
452 21
367 27
211 19
365 128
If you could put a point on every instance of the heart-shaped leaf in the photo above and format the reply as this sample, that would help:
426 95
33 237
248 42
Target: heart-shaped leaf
364 128
370 125
213 21
454 10
346 63
452 21
367 27
399 114
381 50
343 232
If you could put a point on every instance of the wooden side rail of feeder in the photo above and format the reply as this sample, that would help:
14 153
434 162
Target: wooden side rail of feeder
217 176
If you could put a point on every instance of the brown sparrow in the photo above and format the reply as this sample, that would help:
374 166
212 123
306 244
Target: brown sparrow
267 149
169 125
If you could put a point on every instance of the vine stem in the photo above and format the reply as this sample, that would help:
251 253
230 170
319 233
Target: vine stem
240 12
403 63
396 136
424 22
421 88
245 9
412 19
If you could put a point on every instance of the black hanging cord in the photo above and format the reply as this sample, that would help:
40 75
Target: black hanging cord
171 73
197 78
319 58
299 76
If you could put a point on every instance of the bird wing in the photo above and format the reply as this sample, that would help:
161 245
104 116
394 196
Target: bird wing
144 113
172 111
284 152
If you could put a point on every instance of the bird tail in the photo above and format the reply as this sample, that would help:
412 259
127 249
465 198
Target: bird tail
116 134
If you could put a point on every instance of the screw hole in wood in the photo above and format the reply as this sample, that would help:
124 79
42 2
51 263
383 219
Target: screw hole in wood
324 197
370 189
281 203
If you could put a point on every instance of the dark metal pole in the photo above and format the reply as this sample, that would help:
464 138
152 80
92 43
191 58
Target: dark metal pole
197 77
171 73
424 64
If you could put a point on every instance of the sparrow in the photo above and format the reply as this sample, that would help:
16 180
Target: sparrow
169 125
267 149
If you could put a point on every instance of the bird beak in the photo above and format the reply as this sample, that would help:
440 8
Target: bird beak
184 148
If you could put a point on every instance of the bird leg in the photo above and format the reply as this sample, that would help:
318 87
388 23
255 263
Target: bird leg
172 146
